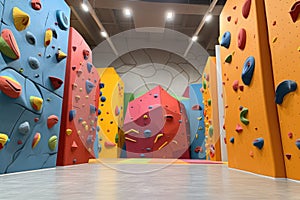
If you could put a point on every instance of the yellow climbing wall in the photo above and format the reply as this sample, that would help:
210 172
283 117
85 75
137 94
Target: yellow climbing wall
111 117
210 98
284 40
258 97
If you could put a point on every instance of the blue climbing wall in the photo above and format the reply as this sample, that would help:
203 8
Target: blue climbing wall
30 101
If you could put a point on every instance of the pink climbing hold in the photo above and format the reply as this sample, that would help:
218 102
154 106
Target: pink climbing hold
117 111
246 8
109 144
235 85
242 39
74 146
290 135
52 120
238 128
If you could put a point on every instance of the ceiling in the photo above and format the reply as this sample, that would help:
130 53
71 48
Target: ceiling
108 14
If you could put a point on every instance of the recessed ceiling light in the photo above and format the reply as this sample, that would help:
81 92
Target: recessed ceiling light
208 17
194 38
104 34
84 7
127 12
170 16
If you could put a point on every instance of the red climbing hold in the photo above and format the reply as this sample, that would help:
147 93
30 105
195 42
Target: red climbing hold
288 156
108 144
36 4
290 135
55 82
246 8
235 85
238 128
295 11
242 39
52 120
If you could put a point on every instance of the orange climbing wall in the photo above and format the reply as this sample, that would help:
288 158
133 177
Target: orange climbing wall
210 98
258 97
284 40
111 117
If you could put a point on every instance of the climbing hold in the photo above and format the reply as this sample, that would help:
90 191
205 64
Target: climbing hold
241 88
60 55
142 155
148 149
155 95
168 116
36 102
48 37
52 142
200 128
77 98
235 85
238 128
228 59
117 111
129 139
229 18
92 109
101 85
198 149
290 135
89 67
36 4
209 102
99 112
79 72
298 143
8 45
145 116
242 39
30 38
109 144
243 115
232 140
246 8
69 131
180 121
196 107
62 20
251 154
248 70
274 39
288 156
283 89
10 87
33 63
103 99
74 86
21 19
211 131
199 118
259 143
72 114
295 11
163 145
55 82
24 128
158 136
147 133
89 87
86 54
36 140
225 42
52 120
74 146
3 140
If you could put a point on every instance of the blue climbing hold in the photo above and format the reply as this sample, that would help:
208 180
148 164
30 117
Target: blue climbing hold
98 128
89 67
103 99
259 143
225 42
101 85
298 143
142 155
30 38
248 70
62 20
92 109
89 86
100 93
150 107
232 140
99 112
89 139
72 114
33 63
283 89
147 133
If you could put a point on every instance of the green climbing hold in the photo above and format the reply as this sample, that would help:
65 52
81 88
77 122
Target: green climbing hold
52 142
204 84
209 102
117 138
228 59
211 131
243 115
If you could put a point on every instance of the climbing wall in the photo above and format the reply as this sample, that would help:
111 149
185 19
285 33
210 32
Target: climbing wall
156 126
111 115
284 39
196 120
33 46
252 130
211 114
78 131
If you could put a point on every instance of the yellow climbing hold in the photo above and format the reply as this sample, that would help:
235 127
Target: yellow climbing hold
3 140
129 139
48 37
274 39
78 132
196 135
21 19
60 55
36 102
145 116
199 118
69 131
298 49
132 130
163 145
86 127
158 136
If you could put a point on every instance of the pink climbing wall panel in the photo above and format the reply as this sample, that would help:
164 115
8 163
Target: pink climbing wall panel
78 138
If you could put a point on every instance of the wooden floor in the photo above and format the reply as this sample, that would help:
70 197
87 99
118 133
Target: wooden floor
139 179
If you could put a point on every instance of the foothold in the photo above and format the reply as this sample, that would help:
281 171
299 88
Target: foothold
77 98
283 89
290 135
52 142
235 85
21 19
101 85
155 95
8 45
211 131
89 67
228 59
60 55
248 70
99 112
117 111
142 155
226 39
24 128
241 88
229 18
198 149
72 114
168 116
242 39
180 121
145 116
103 99
3 140
92 109
157 137
10 87
196 107
232 140
36 102
147 133
89 86
36 4
52 120
55 82
48 37
36 140
148 149
274 40
243 115
69 131
238 128
62 20
74 146
209 102
288 156
20 142
33 63
204 84
79 72
86 54
30 38
295 11
246 8
199 118
129 139
298 143
259 143
109 144
251 154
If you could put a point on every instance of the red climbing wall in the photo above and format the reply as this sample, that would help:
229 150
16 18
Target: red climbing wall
252 130
78 141
284 39
156 125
